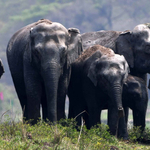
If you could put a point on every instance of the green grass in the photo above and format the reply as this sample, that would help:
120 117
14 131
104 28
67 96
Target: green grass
18 136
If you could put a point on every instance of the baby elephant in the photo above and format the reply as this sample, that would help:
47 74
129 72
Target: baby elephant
97 78
134 97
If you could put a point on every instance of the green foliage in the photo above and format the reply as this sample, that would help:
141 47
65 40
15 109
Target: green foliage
36 11
146 134
135 134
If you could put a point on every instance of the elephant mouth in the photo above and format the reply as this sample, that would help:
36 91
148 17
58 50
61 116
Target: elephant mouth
120 112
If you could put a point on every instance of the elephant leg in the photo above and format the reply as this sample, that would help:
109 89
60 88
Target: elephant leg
44 104
126 111
20 89
139 119
92 104
71 108
93 116
122 125
62 92
113 119
93 119
100 116
76 108
76 100
34 92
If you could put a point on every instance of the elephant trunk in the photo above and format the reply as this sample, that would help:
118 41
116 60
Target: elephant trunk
117 99
115 109
51 78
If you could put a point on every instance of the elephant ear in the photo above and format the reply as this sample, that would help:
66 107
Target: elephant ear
74 45
33 33
126 68
92 69
124 47
30 44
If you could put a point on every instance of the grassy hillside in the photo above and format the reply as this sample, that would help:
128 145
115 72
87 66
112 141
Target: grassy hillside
46 136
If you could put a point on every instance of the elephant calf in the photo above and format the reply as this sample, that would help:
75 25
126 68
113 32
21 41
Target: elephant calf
97 78
135 97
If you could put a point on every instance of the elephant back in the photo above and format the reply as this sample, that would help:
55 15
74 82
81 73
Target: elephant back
104 38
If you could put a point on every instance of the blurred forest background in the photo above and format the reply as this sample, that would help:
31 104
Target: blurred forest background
86 15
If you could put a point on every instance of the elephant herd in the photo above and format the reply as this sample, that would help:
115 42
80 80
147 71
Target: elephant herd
97 70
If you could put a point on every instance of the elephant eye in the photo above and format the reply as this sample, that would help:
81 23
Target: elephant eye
62 49
37 50
62 36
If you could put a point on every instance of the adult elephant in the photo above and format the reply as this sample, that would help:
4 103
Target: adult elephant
97 76
39 57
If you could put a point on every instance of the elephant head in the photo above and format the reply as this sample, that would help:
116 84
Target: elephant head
109 73
55 43
135 46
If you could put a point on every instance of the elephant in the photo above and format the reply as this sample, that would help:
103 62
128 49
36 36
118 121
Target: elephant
134 96
39 57
97 76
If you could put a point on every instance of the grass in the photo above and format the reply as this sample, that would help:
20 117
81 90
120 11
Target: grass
44 135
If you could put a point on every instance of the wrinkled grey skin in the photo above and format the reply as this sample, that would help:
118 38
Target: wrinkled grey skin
39 57
96 77
133 45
